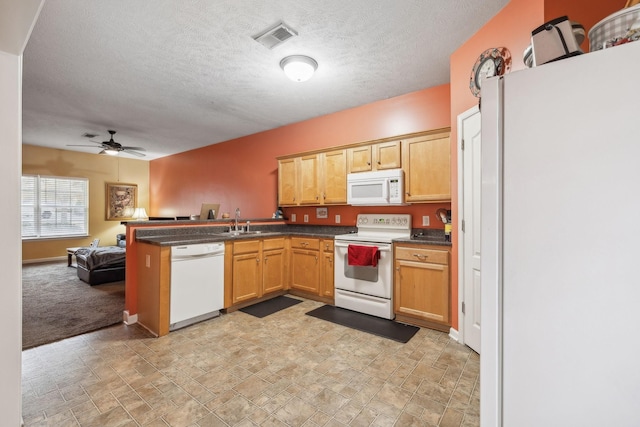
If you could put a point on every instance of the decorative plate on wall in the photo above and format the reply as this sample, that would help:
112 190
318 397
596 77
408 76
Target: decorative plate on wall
492 62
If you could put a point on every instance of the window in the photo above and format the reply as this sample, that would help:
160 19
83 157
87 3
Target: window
54 207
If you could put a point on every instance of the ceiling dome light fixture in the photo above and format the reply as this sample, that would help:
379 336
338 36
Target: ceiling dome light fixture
298 68
111 151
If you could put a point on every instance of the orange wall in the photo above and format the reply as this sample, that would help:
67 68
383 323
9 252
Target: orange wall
510 28
242 173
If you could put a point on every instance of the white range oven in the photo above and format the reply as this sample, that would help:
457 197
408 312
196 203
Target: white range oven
368 288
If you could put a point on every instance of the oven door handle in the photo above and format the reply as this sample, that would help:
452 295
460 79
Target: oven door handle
383 247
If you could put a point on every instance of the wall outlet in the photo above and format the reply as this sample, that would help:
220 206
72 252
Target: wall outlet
147 261
337 219
293 217
425 220
306 218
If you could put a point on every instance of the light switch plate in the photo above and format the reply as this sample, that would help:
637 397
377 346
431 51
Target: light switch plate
425 220
293 217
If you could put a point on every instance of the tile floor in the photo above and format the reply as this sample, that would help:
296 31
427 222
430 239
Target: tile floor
286 369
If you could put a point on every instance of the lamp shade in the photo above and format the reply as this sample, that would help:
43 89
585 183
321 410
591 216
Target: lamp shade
299 68
140 214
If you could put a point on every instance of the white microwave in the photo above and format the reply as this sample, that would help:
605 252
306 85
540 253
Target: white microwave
379 188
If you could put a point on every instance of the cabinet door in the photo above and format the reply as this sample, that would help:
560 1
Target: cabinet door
422 290
246 277
326 272
305 270
273 273
359 158
334 177
426 162
309 172
287 182
387 155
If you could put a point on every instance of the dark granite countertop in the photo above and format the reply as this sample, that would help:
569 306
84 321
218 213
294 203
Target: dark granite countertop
176 236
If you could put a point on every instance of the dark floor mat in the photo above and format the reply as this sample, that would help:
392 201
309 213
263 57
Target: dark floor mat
271 306
365 323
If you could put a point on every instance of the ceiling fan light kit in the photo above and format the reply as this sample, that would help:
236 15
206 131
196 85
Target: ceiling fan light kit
298 68
111 147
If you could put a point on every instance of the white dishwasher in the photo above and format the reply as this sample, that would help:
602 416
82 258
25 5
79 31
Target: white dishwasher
197 283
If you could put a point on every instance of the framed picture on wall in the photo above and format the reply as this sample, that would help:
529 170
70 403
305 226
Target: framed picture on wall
121 200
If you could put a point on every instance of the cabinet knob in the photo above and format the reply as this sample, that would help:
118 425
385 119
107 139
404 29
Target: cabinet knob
368 163
265 259
408 194
379 162
257 259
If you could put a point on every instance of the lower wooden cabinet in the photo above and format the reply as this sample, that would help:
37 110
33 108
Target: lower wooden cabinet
421 286
326 272
274 265
258 268
305 264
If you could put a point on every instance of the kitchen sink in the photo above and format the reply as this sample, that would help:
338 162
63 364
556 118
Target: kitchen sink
240 233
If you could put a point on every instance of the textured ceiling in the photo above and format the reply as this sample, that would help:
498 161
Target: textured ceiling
172 76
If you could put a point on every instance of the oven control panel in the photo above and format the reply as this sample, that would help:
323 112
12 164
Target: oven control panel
384 221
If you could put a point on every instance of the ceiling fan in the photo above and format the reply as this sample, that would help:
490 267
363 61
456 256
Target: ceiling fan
111 147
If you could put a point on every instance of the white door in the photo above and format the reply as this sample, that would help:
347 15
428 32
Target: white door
469 130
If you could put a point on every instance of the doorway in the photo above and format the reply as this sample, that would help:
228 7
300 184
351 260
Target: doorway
469 236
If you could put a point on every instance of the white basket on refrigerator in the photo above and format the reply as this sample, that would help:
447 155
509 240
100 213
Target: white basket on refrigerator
620 27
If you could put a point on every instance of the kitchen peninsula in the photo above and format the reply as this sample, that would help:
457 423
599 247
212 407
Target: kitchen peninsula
257 264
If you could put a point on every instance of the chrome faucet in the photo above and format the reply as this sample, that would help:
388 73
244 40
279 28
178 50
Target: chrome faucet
237 218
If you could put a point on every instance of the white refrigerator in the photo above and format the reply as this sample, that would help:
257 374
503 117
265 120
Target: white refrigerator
561 243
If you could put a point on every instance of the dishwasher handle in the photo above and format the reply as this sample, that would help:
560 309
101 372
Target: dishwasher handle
196 251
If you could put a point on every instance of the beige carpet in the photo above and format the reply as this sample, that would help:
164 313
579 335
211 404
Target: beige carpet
56 304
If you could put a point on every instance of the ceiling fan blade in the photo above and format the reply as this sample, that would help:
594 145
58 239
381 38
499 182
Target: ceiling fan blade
81 145
102 152
135 153
134 148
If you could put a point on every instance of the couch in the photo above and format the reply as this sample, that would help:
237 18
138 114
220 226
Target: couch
102 264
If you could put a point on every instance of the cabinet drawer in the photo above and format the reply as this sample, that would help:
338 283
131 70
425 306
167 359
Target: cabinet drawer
327 245
422 255
305 243
246 246
269 244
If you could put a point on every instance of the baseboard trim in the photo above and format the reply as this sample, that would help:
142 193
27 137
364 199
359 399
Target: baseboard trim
453 334
129 319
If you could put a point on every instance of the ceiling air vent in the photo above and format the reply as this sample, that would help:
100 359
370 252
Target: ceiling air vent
274 36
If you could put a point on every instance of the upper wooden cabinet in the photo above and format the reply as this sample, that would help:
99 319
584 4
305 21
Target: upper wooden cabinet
426 162
334 177
287 182
380 156
320 177
309 179
313 179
